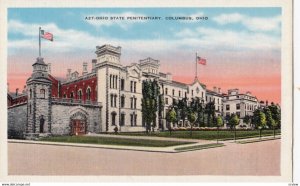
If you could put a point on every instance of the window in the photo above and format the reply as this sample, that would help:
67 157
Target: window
131 103
237 96
192 92
173 92
116 82
227 107
113 81
29 108
166 91
111 100
135 103
88 94
110 77
122 119
238 106
113 118
238 114
135 119
71 95
202 94
122 101
134 86
185 94
206 98
65 95
131 120
30 93
179 93
166 100
122 84
42 92
79 94
115 101
131 86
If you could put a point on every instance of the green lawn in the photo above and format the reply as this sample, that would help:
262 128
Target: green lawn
114 141
208 135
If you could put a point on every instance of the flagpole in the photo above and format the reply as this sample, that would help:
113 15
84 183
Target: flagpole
196 75
39 41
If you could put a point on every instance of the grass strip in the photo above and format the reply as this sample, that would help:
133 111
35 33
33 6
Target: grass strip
199 147
206 135
114 141
256 140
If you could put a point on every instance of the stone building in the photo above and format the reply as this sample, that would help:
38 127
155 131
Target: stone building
107 97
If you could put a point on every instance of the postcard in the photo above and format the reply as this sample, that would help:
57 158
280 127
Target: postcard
198 90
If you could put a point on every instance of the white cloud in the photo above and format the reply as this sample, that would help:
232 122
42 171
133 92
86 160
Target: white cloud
109 19
70 40
252 23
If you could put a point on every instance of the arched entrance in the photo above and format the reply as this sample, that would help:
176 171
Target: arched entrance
78 123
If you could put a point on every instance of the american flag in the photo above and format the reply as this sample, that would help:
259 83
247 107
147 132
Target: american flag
46 35
201 61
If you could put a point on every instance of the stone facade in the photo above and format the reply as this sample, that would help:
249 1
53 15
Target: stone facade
17 120
62 115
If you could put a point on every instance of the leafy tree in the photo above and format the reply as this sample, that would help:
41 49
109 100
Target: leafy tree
233 122
219 122
191 119
171 118
247 119
210 110
183 109
276 115
259 118
150 100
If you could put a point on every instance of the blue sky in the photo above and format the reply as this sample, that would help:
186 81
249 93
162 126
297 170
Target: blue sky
74 19
245 38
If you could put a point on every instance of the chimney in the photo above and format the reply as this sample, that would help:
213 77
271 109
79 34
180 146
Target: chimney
84 68
219 90
49 68
24 90
94 61
17 90
215 89
69 74
267 103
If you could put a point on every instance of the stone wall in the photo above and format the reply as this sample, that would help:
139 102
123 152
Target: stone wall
17 119
62 113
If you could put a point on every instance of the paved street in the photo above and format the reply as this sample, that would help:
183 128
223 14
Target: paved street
262 158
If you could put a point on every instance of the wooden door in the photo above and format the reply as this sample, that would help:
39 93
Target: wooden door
78 127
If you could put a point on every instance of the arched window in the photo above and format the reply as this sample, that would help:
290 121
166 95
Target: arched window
88 94
113 118
79 94
72 95
42 93
30 93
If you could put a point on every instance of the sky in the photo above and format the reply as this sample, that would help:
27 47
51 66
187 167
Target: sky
242 46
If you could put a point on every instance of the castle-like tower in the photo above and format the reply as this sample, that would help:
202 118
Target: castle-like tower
39 100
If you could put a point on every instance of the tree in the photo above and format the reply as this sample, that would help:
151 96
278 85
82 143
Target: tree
191 119
219 123
183 109
150 100
171 118
210 110
233 122
276 115
259 118
247 119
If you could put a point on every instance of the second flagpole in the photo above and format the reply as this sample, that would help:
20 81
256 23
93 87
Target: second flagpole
39 41
196 75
